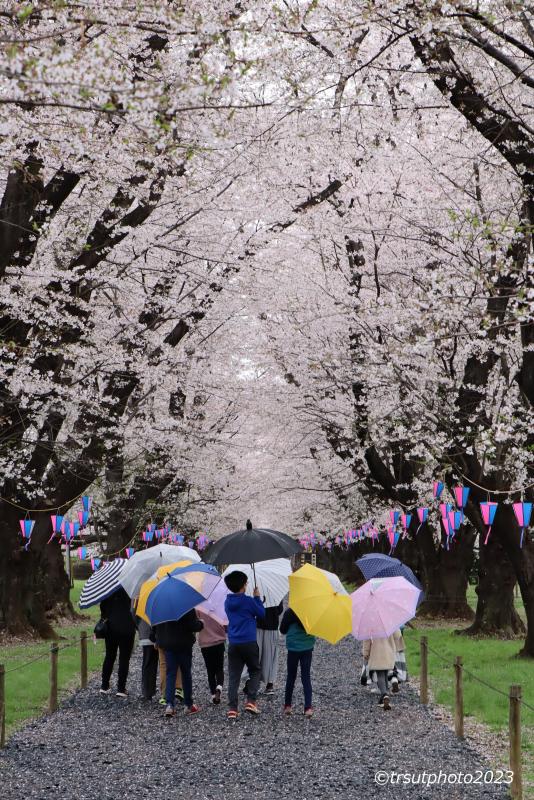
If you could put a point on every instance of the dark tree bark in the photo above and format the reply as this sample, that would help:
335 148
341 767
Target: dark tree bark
445 574
125 518
495 613
505 130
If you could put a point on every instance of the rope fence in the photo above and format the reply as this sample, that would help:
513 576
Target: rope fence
52 653
514 697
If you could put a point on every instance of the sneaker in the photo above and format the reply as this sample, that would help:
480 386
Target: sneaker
122 694
269 689
232 715
308 712
375 690
162 701
288 710
384 703
192 710
216 698
252 708
395 685
105 691
170 711
179 694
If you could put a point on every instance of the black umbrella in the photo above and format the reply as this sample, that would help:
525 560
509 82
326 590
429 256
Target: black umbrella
251 545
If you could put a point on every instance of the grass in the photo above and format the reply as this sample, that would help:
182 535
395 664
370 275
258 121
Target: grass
518 602
27 684
492 661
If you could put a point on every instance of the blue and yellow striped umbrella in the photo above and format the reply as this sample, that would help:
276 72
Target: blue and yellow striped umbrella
179 592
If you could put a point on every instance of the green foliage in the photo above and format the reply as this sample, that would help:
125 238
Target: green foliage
491 660
25 12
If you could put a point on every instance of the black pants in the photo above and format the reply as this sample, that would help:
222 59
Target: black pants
124 644
214 661
149 671
239 656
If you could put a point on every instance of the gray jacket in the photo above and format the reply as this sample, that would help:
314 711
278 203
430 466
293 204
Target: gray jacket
144 630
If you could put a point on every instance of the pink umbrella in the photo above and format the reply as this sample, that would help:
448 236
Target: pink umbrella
381 606
214 605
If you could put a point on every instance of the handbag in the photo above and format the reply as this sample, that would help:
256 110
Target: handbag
101 629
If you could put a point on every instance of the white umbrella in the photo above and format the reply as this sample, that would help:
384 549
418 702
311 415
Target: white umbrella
144 563
272 578
334 581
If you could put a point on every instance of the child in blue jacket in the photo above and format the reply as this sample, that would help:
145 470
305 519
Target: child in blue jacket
242 612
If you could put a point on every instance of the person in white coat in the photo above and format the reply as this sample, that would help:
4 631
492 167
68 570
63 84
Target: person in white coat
380 656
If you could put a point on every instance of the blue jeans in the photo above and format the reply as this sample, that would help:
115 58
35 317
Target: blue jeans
294 658
182 659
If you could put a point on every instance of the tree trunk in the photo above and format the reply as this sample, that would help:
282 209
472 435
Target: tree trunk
508 533
125 518
33 582
495 613
446 574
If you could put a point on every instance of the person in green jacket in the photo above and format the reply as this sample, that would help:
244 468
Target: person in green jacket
299 651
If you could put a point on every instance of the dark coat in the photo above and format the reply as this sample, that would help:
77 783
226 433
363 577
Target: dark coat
270 620
117 610
179 634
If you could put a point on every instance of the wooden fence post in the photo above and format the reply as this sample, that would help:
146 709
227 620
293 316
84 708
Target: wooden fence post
459 698
516 788
83 659
52 700
2 705
423 679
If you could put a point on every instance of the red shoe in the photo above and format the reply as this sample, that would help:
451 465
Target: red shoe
288 710
252 708
308 712
192 710
232 715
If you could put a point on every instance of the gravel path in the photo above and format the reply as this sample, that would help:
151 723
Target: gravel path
102 748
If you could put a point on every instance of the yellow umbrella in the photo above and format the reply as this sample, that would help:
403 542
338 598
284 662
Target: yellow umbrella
148 585
322 611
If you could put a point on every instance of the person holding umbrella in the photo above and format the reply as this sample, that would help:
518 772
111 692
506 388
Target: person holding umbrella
119 637
379 608
242 613
177 638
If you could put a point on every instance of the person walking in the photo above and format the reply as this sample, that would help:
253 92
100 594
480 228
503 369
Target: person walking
211 640
149 667
178 691
242 613
268 640
119 637
380 655
177 638
299 653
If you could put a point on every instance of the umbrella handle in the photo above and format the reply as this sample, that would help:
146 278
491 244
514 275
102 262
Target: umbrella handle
254 573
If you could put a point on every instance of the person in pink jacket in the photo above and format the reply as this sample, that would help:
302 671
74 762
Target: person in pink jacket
211 640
